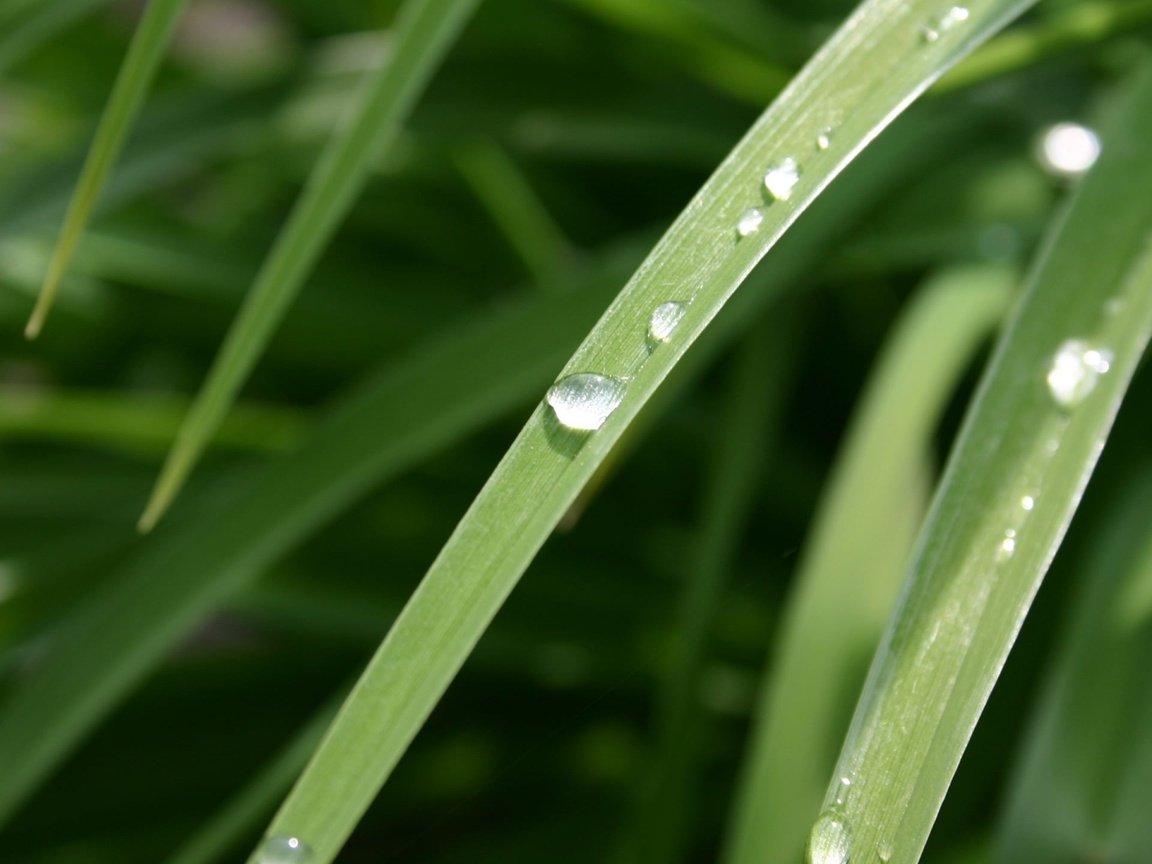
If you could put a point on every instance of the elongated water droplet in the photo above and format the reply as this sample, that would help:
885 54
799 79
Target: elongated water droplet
585 400
750 222
884 852
1067 150
665 319
824 139
285 850
781 179
830 841
842 791
1075 370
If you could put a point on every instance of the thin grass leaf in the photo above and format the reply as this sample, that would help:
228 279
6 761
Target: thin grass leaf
1026 451
883 56
424 31
21 38
144 55
1081 792
847 581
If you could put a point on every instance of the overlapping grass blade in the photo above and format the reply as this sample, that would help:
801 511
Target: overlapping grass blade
144 56
424 31
1082 789
874 66
1025 453
847 581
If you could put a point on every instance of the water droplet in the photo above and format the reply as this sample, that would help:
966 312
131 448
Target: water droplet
955 15
1067 150
824 139
884 851
1007 547
842 790
1075 370
781 179
665 319
830 841
585 400
1027 502
285 850
750 222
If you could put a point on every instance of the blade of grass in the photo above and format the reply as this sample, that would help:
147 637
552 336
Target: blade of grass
847 582
184 573
751 418
144 55
1015 478
49 18
1088 754
871 69
425 30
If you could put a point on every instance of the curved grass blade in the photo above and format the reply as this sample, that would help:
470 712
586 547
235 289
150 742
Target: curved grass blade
424 31
1027 448
1085 769
873 67
847 581
390 422
140 65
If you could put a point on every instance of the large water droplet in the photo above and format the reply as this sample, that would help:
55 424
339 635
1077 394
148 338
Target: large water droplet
665 319
585 400
1067 150
781 179
285 850
830 841
750 222
1075 370
884 852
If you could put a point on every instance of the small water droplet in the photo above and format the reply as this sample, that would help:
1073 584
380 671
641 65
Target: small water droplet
1007 547
750 222
1075 370
585 400
665 319
955 15
1067 150
781 179
842 791
884 851
824 139
285 850
1027 502
830 841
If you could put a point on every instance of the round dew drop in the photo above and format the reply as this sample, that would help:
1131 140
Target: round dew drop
585 401
830 841
285 850
1076 368
665 319
781 179
750 222
824 139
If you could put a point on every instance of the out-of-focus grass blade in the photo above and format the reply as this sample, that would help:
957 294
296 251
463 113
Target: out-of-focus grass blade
884 55
424 31
1027 448
759 384
23 36
847 581
144 56
1082 792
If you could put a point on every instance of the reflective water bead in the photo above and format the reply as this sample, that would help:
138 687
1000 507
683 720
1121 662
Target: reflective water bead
954 16
842 790
586 400
665 319
1027 502
1075 370
1007 547
884 852
782 178
285 850
824 139
830 841
1068 150
750 222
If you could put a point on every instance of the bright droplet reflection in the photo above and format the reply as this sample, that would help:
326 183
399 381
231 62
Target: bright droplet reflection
1068 150
586 400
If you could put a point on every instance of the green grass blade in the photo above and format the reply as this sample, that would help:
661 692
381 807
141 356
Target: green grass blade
424 31
144 56
847 581
1026 456
1085 767
872 68
49 18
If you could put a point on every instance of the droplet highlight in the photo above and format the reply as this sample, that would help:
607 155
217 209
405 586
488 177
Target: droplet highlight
1067 150
665 319
781 179
824 138
585 401
884 852
830 841
843 788
1076 369
285 850
1007 547
1027 503
955 16
750 222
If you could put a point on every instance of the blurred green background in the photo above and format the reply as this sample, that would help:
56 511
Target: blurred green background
556 143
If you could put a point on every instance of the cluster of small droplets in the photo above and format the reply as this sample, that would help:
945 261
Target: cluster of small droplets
954 16
285 850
